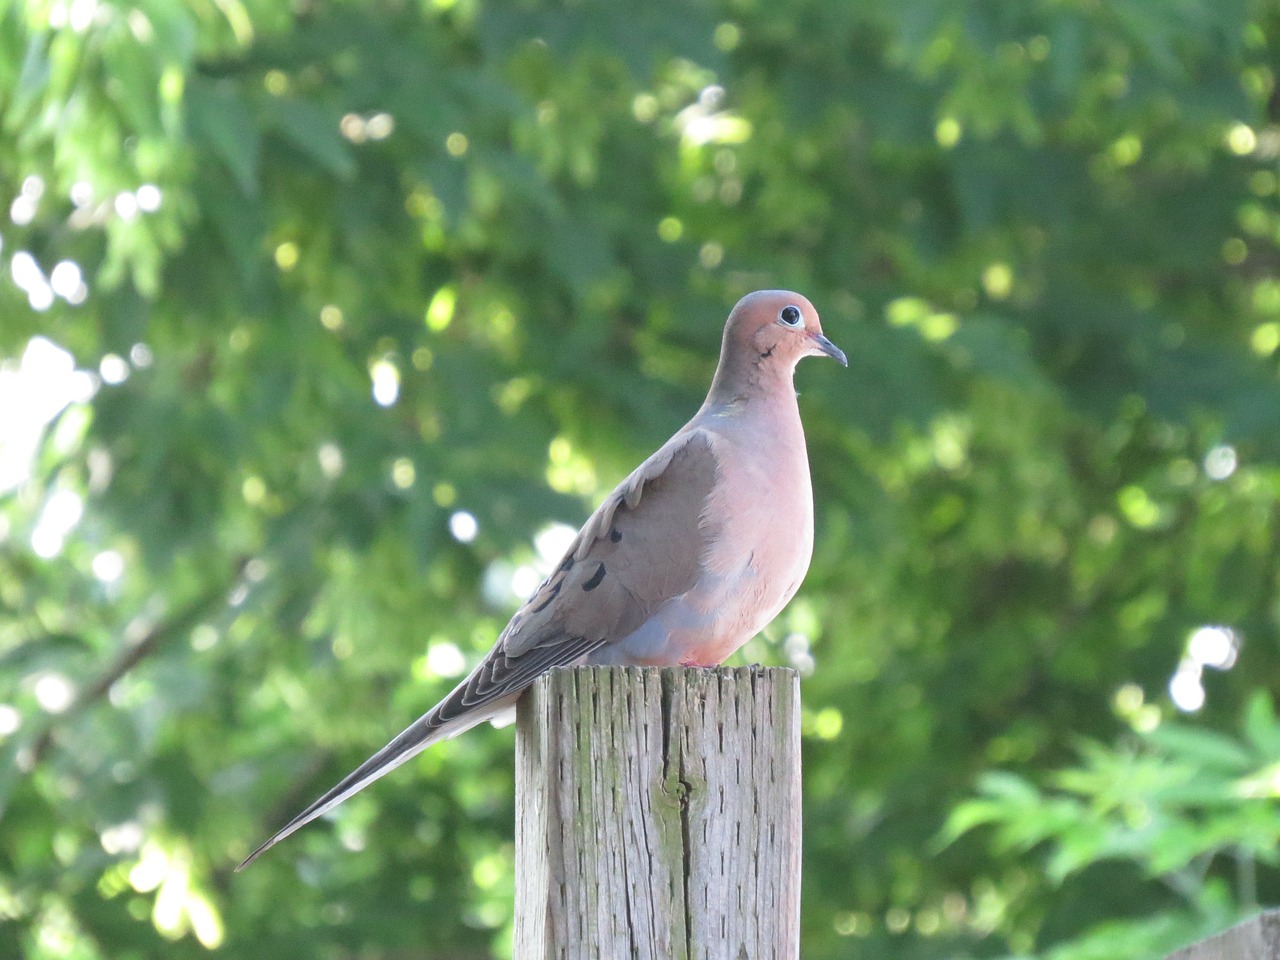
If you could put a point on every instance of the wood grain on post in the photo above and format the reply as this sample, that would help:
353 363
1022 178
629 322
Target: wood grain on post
1255 939
658 815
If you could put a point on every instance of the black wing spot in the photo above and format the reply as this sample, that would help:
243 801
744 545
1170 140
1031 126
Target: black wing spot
567 565
597 578
615 535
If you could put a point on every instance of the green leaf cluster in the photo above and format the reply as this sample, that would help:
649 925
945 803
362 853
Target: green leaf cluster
1177 804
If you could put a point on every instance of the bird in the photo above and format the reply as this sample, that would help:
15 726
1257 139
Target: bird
694 553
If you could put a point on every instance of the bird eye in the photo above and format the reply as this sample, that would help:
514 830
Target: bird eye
791 315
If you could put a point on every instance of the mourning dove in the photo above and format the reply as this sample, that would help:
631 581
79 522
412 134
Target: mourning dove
692 555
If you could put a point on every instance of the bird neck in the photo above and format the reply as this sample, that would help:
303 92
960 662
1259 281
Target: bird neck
743 376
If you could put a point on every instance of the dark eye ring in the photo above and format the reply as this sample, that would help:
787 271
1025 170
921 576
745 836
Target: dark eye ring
790 315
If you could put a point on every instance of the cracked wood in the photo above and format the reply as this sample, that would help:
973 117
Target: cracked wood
658 815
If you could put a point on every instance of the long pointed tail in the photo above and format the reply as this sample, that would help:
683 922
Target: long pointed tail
422 733
492 688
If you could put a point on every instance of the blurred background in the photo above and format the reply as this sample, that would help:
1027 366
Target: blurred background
324 324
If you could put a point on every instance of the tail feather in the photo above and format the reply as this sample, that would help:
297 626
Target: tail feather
491 689
419 735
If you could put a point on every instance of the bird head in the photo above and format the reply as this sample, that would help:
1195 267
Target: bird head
779 327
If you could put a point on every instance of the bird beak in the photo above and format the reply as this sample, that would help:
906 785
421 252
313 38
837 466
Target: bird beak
830 349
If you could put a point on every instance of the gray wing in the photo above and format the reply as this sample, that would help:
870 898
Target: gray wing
642 546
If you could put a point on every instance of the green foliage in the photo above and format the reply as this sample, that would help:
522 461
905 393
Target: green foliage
339 279
1177 803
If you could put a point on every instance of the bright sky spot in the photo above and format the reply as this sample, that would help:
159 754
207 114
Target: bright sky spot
122 838
505 580
379 126
1220 462
40 297
54 692
464 526
10 720
81 14
65 278
551 543
29 278
149 197
1207 646
24 270
1214 647
113 369
36 389
524 581
1185 688
141 356
444 659
126 205
62 511
46 543
23 210
386 382
108 566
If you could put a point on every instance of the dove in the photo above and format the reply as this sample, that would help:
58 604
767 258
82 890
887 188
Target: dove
695 552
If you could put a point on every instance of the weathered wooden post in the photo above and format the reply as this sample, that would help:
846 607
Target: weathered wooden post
1256 939
658 815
